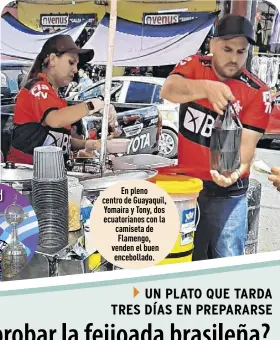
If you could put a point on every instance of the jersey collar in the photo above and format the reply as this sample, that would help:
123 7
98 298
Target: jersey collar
45 78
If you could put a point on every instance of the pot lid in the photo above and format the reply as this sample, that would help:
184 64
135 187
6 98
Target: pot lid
81 176
112 178
11 172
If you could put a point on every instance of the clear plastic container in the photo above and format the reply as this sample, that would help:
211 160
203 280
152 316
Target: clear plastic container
75 190
86 207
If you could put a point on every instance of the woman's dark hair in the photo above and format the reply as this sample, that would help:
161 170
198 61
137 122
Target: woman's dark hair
58 44
35 69
38 65
42 58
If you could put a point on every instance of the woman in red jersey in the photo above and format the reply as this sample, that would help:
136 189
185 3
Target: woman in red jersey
41 116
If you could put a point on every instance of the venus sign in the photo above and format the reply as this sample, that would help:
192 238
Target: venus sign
161 19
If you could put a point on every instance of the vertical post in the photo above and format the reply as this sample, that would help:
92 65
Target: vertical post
246 8
108 80
252 17
253 216
254 11
238 7
225 7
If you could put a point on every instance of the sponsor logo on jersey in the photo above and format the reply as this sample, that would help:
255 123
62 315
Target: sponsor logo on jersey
59 139
267 102
196 123
184 61
40 91
237 107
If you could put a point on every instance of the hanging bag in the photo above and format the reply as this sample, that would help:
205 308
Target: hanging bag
225 142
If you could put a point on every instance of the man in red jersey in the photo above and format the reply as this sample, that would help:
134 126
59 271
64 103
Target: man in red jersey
204 86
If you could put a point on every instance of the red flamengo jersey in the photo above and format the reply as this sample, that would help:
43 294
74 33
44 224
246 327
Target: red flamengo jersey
196 120
34 102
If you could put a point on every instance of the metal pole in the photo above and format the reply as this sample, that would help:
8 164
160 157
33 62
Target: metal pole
254 10
225 6
251 15
108 80
249 5
246 8
238 7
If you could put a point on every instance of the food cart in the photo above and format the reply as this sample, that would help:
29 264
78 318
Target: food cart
75 254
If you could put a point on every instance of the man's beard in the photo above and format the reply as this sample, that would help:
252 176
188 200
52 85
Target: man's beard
220 71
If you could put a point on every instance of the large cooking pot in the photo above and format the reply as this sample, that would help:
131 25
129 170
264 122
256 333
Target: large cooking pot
93 187
141 161
19 177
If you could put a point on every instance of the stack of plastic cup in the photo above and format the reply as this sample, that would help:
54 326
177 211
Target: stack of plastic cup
50 198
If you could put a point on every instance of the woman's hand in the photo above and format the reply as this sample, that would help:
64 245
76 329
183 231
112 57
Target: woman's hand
275 177
112 117
98 104
114 134
92 145
99 107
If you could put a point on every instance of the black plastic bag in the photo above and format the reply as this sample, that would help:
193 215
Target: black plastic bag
225 142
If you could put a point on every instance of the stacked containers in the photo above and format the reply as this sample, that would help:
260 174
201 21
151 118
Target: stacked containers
75 191
184 191
50 198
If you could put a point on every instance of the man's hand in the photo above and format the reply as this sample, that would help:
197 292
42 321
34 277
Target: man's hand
218 95
178 89
224 181
275 177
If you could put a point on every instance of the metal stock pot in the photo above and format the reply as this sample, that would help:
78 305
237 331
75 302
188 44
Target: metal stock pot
19 177
93 187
